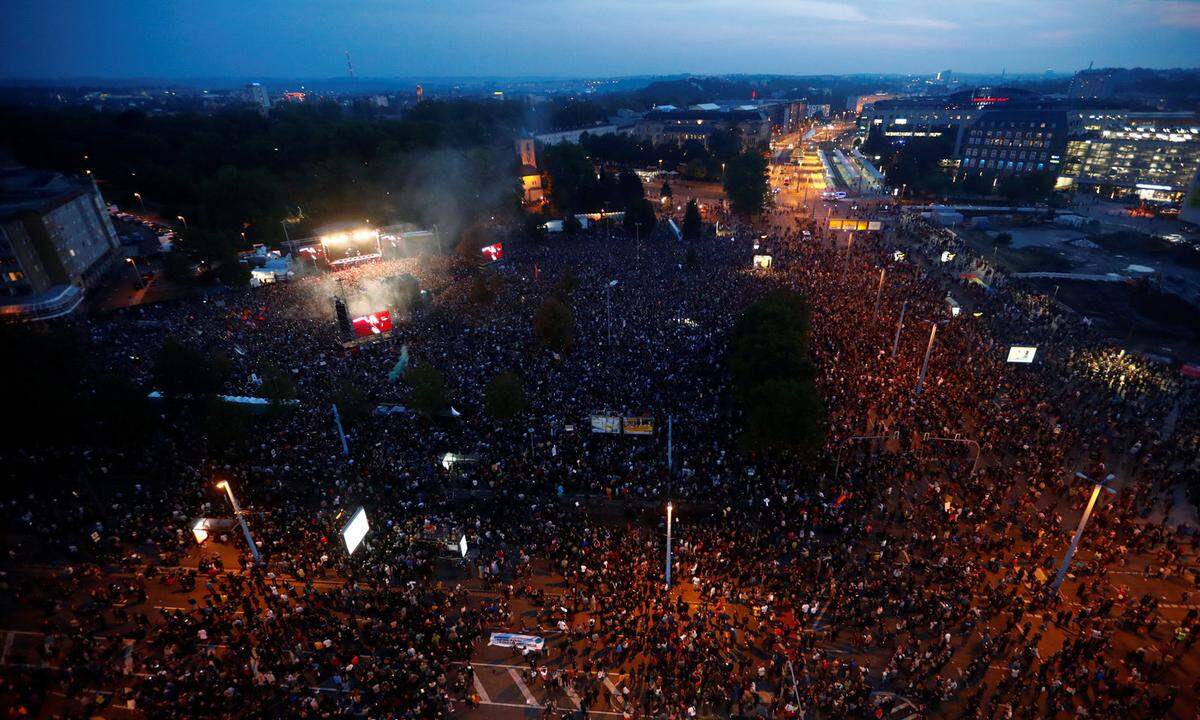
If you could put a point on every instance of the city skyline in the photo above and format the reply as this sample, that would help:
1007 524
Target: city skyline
574 39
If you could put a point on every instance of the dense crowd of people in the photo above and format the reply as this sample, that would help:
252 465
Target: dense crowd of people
828 584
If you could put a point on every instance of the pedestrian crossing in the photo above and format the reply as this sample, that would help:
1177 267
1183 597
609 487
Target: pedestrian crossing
505 685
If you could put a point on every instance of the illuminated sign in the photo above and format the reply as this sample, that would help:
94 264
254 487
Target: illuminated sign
989 100
355 530
1021 354
462 545
1147 186
762 262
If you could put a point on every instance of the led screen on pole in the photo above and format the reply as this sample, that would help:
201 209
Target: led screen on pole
355 530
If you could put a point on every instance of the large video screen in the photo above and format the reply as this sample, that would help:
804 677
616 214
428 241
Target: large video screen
355 530
493 252
373 324
1021 354
348 247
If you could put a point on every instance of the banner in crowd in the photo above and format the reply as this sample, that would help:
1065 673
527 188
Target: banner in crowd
609 424
638 425
401 365
855 225
529 642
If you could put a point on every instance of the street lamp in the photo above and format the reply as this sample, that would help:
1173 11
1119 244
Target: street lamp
1103 484
140 201
224 485
933 326
608 307
183 220
670 511
136 270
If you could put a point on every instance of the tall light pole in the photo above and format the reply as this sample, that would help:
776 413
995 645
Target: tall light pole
183 220
670 510
1099 485
928 350
608 307
140 201
878 293
224 485
136 270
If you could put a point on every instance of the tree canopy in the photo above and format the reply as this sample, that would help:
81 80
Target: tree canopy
746 183
504 397
773 375
692 224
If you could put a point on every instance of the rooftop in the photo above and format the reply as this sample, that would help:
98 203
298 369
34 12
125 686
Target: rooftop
25 190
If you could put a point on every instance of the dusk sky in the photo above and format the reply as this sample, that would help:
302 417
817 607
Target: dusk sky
308 38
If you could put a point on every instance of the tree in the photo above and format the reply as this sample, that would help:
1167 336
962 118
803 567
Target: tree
746 183
504 397
485 288
233 273
567 283
571 224
352 403
665 191
277 385
470 243
43 377
573 181
640 217
1004 238
773 375
630 187
182 370
553 324
427 394
691 221
695 169
724 145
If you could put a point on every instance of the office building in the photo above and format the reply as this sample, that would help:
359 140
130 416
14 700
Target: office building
1015 141
936 116
1154 162
56 241
258 95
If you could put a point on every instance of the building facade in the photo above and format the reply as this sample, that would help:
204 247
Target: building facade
1015 141
1153 162
56 241
752 124
258 95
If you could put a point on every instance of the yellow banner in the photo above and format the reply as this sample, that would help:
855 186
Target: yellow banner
638 425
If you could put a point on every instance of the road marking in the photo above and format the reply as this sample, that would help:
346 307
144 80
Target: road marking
608 683
542 707
480 691
516 676
475 663
574 696
197 607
